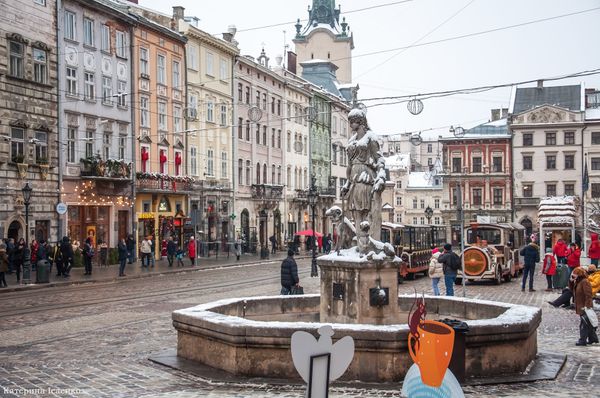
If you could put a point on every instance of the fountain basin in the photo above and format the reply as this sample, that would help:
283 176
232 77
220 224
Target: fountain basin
251 336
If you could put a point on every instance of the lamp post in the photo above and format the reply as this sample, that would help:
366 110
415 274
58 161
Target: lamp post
26 252
428 214
313 196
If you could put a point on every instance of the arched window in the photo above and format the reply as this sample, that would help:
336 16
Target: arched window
264 173
257 173
279 175
240 171
273 174
289 177
248 173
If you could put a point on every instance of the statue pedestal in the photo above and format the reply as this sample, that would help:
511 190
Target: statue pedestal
352 291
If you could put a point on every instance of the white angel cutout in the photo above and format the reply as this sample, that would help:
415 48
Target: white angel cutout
304 346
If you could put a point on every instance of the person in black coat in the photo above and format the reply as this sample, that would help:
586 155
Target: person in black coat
289 273
123 254
531 255
66 250
130 248
171 250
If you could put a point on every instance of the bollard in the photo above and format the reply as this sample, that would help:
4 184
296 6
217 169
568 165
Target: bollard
457 362
42 273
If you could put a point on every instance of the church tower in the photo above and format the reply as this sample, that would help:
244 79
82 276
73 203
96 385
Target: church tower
324 38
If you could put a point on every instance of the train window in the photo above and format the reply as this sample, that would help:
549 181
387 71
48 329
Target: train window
493 236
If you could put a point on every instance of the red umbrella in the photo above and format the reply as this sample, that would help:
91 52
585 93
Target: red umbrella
309 232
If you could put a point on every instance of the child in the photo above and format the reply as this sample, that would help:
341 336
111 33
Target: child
436 270
179 255
549 267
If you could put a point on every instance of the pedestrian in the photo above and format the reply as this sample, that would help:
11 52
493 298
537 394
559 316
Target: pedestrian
451 264
130 249
180 257
123 254
560 251
33 247
573 257
146 249
238 248
273 241
296 244
320 243
582 292
192 250
88 255
10 252
3 264
171 250
289 273
549 268
152 256
531 256
594 249
18 257
328 243
436 270
66 250
56 256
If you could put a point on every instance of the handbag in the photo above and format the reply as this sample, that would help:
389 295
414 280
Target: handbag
297 290
591 316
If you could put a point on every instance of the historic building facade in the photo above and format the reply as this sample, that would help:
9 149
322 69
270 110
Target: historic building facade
96 120
28 114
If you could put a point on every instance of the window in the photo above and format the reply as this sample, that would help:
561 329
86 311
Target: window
477 197
89 143
398 200
528 190
40 66
436 204
595 163
248 95
264 104
210 163
16 63
273 138
106 90
257 98
240 172
415 203
40 2
527 139
121 44
422 203
278 139
477 164
497 196
569 189
257 133
248 130
121 93
272 104
17 145
264 135
192 57
106 139
289 177
289 142
144 61
272 174
161 73
569 162
71 81
240 128
175 74
240 91
527 162
569 138
248 173
429 148
223 75
595 137
550 138
223 164
497 164
88 32
210 111
70 26
122 146
71 133
334 154
209 64
279 175
144 116
595 190
257 173
223 115
422 220
105 39
436 220
194 160
456 165
398 184
550 162
162 115
550 189
177 119
89 85
415 220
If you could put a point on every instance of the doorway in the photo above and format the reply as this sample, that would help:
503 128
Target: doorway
15 230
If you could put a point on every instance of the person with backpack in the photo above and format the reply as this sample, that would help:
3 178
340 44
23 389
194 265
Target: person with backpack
436 271
549 268
88 254
451 264
531 256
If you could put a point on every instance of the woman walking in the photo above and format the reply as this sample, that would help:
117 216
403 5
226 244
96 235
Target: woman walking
436 271
123 254
192 250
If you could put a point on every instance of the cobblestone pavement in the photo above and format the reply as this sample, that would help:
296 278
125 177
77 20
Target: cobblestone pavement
94 340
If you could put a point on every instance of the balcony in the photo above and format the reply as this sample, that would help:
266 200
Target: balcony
213 185
156 182
267 192
95 168
519 202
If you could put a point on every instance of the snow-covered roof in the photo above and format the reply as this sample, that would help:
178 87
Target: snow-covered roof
557 209
387 206
398 161
592 113
557 200
314 61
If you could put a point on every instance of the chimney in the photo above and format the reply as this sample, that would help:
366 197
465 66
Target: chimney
540 84
504 113
291 61
178 12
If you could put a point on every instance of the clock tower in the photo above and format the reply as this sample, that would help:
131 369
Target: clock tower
325 38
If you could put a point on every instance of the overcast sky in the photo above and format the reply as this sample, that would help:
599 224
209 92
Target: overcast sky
545 49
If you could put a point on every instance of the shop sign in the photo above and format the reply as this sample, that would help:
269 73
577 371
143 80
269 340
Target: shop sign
146 216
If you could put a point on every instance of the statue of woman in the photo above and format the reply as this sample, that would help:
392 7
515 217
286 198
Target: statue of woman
365 175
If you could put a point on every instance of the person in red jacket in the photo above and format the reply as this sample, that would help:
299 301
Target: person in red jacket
192 250
573 255
549 268
594 249
560 251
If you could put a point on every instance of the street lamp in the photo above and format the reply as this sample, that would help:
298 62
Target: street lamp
313 196
26 252
428 214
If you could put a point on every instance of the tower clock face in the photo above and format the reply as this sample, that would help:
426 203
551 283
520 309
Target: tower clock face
322 12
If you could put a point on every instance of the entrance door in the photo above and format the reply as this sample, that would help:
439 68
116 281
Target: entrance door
123 221
15 230
245 226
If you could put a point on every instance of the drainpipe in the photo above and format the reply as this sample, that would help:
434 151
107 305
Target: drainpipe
584 253
233 145
59 29
133 136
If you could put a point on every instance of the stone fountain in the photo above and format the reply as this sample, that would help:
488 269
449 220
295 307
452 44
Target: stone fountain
358 297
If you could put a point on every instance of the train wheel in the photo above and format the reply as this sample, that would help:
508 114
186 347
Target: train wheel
498 278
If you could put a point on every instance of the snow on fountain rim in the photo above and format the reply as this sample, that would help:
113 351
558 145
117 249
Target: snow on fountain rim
514 314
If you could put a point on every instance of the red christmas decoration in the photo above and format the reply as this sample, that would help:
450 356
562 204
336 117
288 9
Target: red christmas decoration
145 156
177 162
163 160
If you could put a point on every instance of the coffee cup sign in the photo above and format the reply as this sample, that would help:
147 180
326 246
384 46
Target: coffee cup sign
433 351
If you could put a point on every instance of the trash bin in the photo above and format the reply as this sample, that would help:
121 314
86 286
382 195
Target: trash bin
457 362
42 275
